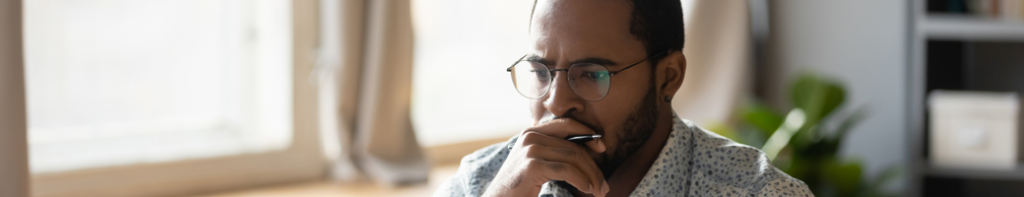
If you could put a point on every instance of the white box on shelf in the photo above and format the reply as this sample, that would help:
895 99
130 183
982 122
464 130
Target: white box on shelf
971 129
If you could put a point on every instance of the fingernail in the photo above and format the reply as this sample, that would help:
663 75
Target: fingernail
600 144
604 189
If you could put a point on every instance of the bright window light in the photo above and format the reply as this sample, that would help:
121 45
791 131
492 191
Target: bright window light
119 82
461 90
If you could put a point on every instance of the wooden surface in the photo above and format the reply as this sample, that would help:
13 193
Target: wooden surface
445 159
451 154
361 189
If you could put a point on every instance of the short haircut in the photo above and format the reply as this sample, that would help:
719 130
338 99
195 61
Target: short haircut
658 24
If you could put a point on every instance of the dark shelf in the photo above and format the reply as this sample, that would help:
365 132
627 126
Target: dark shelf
964 173
973 28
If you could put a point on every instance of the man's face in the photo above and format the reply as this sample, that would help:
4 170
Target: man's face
567 31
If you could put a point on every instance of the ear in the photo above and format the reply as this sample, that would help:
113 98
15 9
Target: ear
671 71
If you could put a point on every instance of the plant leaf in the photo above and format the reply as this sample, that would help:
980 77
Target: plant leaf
817 97
761 117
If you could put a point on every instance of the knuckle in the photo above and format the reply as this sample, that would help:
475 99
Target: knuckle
531 151
530 136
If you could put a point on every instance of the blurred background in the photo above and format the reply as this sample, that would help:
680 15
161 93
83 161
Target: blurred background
383 98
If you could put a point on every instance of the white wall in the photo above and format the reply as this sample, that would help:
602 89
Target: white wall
864 45
13 151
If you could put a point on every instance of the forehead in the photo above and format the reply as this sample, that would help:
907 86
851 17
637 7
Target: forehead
582 28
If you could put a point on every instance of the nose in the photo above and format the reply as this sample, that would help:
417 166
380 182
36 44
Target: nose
560 98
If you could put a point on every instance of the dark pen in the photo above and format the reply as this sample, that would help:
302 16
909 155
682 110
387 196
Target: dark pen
578 139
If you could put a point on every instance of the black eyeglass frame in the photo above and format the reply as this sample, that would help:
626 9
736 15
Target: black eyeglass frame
552 73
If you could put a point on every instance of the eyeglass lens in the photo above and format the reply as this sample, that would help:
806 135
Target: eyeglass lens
589 81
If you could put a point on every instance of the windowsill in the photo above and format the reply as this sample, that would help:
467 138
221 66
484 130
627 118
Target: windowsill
151 148
445 159
451 154
336 189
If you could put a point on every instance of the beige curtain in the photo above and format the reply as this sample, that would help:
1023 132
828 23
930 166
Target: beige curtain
13 127
372 41
718 53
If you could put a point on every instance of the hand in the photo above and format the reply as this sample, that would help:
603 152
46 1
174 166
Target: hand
542 154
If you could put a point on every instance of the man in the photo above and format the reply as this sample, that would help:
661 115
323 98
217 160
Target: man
610 67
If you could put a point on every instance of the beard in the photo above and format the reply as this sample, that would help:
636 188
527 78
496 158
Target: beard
635 130
634 133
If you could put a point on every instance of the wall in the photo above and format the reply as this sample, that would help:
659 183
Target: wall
13 148
860 43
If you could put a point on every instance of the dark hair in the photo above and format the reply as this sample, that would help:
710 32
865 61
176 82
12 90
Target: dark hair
656 23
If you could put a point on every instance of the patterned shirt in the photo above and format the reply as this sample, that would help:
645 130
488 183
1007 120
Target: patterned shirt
693 162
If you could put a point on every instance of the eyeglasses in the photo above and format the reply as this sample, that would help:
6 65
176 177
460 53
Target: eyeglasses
588 80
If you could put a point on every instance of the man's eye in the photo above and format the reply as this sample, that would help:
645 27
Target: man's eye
541 74
594 75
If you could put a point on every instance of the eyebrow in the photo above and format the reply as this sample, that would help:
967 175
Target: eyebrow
538 59
592 60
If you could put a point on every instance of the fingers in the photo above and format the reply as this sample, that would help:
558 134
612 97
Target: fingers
546 148
563 127
542 154
553 170
597 145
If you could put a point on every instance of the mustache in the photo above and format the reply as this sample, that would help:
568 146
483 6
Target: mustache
597 129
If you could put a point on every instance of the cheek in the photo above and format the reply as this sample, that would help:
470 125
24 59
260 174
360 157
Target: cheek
623 99
609 114
537 110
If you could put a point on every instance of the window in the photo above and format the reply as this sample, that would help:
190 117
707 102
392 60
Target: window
461 90
118 82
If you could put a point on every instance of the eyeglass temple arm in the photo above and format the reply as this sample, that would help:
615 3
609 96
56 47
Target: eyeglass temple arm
634 64
509 69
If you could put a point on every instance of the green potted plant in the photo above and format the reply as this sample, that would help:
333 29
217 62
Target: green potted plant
803 144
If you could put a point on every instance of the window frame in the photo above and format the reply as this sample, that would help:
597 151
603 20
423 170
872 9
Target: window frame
303 160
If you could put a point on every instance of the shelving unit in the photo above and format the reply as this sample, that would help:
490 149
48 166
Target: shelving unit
948 26
1015 175
960 52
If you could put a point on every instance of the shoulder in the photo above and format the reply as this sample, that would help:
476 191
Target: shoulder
476 171
714 153
785 186
726 163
